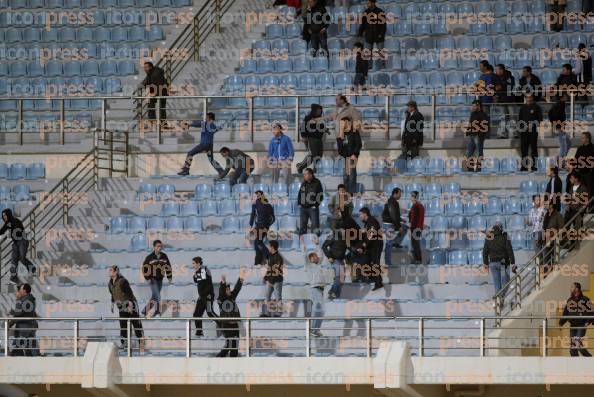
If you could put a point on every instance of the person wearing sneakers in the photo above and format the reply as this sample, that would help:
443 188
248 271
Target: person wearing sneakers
20 244
209 128
228 308
317 283
206 297
124 300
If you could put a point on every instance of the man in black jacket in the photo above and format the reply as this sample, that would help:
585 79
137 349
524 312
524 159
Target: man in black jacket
584 161
412 136
309 198
335 247
312 132
566 81
124 300
557 118
529 120
203 280
228 309
394 229
20 244
373 244
25 343
583 69
274 282
578 200
154 267
504 85
578 305
349 146
155 84
239 165
554 188
529 84
316 22
261 218
477 131
373 29
498 255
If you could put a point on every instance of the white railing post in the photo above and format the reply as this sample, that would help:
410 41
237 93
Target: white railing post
62 121
128 338
248 331
433 115
544 337
251 117
21 121
297 110
6 350
76 331
307 339
369 340
188 338
158 110
421 337
482 337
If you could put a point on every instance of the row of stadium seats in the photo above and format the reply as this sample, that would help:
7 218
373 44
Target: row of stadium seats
83 4
22 171
16 193
70 68
68 34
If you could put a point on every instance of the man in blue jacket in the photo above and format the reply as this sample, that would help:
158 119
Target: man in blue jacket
280 155
209 128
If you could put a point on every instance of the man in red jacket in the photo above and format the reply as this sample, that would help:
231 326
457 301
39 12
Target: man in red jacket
416 218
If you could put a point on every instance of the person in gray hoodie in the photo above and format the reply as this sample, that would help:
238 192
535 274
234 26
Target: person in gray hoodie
317 281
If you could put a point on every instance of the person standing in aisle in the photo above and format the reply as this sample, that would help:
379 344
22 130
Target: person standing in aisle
577 305
261 218
228 308
203 280
124 300
154 268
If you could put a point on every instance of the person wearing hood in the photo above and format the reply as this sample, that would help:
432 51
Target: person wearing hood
20 244
477 131
261 218
312 133
228 308
394 228
578 305
209 129
124 300
25 330
498 255
318 279
412 133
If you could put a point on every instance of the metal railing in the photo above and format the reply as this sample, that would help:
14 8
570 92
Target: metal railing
528 278
291 336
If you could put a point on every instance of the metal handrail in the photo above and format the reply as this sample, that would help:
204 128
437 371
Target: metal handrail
531 268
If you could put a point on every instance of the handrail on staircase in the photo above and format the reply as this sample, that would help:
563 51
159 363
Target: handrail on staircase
528 278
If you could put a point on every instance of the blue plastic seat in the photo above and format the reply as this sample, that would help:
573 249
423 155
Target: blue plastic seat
36 171
126 68
202 192
170 208
241 190
439 224
17 171
490 166
231 225
529 187
5 193
208 208
493 206
457 222
175 224
283 207
437 257
518 239
156 223
513 205
3 171
274 30
454 206
155 34
412 187
458 257
279 190
319 64
416 166
138 243
222 190
21 193
451 187
136 224
473 207
188 208
118 225
227 207
516 222
193 224
108 68
509 165
477 223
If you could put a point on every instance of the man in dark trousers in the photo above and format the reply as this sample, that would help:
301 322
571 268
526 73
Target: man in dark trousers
373 243
557 118
394 229
349 146
20 244
498 255
155 84
416 219
530 84
203 280
477 131
154 268
239 165
583 69
361 66
566 81
412 135
504 85
584 161
274 282
373 30
309 199
125 301
209 129
25 343
578 200
578 305
529 120
312 132
316 22
228 309
334 248
554 188
261 218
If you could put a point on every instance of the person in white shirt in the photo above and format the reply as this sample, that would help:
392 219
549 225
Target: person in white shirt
318 280
535 221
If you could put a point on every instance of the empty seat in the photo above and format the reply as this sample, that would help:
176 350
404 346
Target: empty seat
189 208
36 171
17 171
231 225
21 193
193 224
454 206
208 208
529 187
137 224
473 207
493 206
437 257
156 223
222 190
513 205
439 224
458 257
138 243
516 222
170 208
227 207
175 223
118 225
202 192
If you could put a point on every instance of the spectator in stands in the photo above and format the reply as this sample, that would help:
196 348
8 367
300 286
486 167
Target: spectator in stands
535 222
334 248
25 342
309 199
154 267
228 308
373 30
280 155
209 128
566 81
155 84
504 85
529 120
553 225
557 117
312 133
577 201
578 305
412 135
373 245
584 161
477 131
343 110
486 86
416 219
554 188
239 165
316 22
530 84
317 283
20 244
498 255
274 282
394 229
341 202
205 301
261 218
587 6
557 10
569 169
583 68
349 147
125 301
361 66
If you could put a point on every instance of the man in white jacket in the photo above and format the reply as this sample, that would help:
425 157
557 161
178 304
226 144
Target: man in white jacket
318 279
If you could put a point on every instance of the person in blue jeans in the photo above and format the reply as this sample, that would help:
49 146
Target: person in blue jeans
317 283
280 155
239 165
209 128
274 282
154 268
498 256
